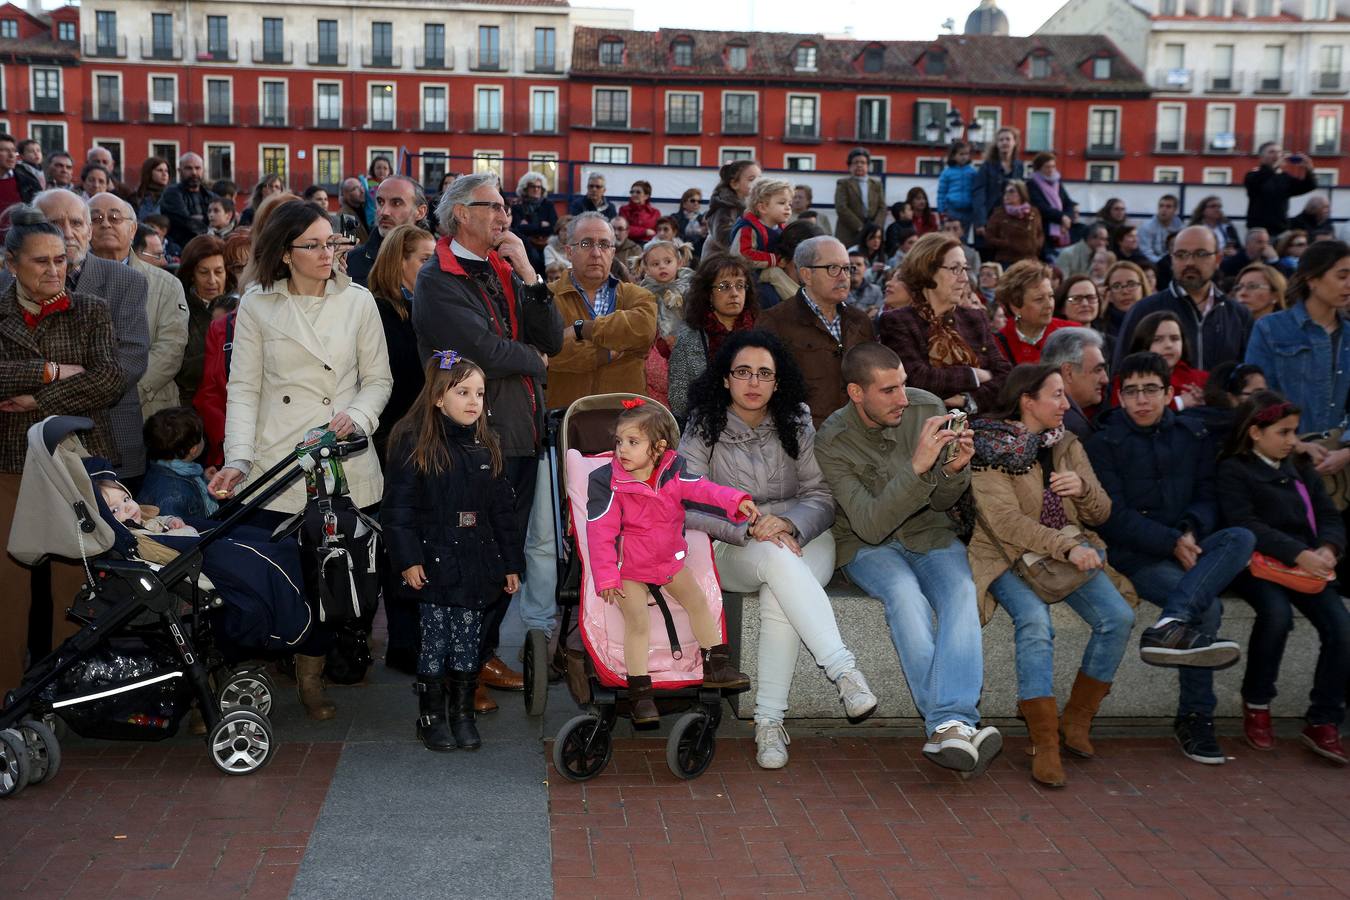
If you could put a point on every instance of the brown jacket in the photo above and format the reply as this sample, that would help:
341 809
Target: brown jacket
906 332
614 359
1012 239
83 335
1010 506
850 214
815 350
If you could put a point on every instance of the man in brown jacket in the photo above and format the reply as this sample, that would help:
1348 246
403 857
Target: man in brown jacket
858 198
817 326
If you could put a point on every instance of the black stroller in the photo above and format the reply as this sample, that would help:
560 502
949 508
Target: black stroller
147 648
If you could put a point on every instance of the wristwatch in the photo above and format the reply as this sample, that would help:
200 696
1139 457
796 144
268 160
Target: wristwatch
576 328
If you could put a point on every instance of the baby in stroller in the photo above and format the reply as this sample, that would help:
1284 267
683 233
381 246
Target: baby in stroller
635 537
133 515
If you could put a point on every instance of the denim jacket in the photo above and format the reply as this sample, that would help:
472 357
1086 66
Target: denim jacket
1295 354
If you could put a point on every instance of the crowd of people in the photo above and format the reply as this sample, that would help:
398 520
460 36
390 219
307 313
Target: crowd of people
984 402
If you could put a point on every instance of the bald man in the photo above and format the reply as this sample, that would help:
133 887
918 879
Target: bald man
186 202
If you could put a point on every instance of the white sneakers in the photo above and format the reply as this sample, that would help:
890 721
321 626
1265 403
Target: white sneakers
771 741
858 699
956 745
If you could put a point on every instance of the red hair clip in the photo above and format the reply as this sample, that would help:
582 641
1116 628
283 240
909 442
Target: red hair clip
633 403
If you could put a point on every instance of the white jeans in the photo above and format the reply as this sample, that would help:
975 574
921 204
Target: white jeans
793 608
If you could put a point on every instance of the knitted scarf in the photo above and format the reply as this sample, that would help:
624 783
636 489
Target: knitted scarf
1050 190
1009 447
715 332
946 347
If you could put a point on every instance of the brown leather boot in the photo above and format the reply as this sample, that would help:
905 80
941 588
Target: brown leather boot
309 681
1076 722
644 711
497 674
718 672
482 700
1041 714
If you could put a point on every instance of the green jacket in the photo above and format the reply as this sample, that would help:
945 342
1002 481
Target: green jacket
877 495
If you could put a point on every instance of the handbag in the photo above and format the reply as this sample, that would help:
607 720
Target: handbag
1337 485
1295 578
1051 579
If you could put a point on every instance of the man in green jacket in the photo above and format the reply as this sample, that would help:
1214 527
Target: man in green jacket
883 456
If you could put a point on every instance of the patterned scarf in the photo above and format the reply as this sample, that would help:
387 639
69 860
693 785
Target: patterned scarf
715 332
946 347
1009 447
34 311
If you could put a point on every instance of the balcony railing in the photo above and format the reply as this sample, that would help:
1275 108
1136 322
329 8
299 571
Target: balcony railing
683 126
1177 80
104 111
104 49
219 114
438 58
1273 82
227 52
164 112
46 105
546 63
282 54
269 116
326 55
540 124
314 117
495 61
802 133
1221 142
1329 82
737 125
381 57
1103 150
152 49
1225 81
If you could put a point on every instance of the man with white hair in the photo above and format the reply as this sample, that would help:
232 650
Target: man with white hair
533 217
186 203
113 230
101 156
1315 218
594 199
1079 353
480 297
399 200
124 290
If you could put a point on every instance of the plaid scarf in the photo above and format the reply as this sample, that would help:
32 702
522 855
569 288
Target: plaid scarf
1009 447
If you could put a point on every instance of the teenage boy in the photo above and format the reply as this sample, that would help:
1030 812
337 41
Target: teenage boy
1158 467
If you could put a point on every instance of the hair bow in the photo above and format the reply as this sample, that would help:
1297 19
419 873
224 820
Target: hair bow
1272 414
448 358
633 403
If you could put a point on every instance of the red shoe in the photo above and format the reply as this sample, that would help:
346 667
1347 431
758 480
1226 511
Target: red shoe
1256 728
1325 740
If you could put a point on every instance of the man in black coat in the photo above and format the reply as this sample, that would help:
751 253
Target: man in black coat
1271 184
399 200
1216 328
186 202
480 296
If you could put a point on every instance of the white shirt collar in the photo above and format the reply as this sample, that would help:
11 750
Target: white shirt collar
464 252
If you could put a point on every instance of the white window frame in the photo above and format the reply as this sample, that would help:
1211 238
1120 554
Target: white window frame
340 101
815 57
1258 140
557 107
96 74
721 151
314 163
372 84
150 79
172 160
877 165
60 88
628 106
857 115
1120 127
389 153
1213 172
988 139
809 158
665 152
65 129
206 156
501 107
787 114
722 116
609 145
536 156
120 157
1050 132
1110 68
1160 174
217 75
285 104
1181 128
1327 177
920 160
422 101
262 145
423 153
1340 124
489 155
702 108
1113 167
1232 124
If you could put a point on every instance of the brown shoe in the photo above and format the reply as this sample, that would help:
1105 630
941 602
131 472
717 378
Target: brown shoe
309 681
718 672
643 707
1076 722
482 700
496 674
1042 727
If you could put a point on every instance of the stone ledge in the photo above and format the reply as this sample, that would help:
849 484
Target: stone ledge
1140 691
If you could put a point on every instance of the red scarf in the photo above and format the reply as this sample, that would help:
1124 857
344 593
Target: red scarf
55 304
715 332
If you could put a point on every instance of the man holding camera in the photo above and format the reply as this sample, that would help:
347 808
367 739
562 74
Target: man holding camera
1271 184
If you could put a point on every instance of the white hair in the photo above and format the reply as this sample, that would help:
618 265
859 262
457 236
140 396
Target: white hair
458 193
1067 346
126 207
528 179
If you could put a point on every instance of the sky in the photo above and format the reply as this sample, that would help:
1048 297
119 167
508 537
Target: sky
868 19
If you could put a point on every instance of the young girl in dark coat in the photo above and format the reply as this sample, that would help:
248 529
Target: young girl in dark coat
1285 505
450 528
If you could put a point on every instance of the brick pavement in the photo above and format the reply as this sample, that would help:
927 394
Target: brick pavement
870 817
133 820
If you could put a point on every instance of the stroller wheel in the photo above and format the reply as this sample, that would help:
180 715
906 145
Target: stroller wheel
44 751
692 745
241 743
583 748
536 671
246 687
14 763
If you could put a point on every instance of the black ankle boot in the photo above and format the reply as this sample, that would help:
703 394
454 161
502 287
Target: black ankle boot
431 726
642 707
462 688
718 672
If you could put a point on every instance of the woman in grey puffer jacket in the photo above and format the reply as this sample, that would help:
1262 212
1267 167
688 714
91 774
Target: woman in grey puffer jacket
749 428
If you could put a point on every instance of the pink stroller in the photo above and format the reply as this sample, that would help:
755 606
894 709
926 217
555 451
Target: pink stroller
598 678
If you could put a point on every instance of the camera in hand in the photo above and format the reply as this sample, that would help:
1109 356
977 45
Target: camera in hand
956 423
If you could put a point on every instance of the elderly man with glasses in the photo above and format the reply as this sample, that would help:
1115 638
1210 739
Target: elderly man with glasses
480 296
817 325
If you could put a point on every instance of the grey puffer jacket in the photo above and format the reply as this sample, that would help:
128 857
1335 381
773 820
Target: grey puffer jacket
753 460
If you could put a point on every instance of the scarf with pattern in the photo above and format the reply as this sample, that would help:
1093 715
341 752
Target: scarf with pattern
715 332
1010 447
946 347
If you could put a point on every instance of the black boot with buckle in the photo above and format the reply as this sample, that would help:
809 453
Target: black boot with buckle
462 724
431 725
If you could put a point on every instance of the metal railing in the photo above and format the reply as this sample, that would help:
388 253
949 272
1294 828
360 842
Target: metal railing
282 54
152 49
229 52
321 55
381 58
445 59
496 61
1226 81
95 46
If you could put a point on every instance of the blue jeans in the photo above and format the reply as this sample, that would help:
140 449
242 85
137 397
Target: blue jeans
944 665
538 604
1326 613
1193 597
1097 602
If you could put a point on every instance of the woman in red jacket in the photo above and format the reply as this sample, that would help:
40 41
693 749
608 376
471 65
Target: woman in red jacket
1161 333
640 213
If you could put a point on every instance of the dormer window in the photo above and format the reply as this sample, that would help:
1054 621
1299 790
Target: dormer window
682 53
9 28
1039 66
1101 68
935 62
804 58
65 31
738 57
872 59
611 52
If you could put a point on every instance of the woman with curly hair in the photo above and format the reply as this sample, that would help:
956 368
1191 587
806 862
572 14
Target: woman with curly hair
750 428
720 299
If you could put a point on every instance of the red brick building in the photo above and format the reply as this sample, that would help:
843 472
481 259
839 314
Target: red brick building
39 73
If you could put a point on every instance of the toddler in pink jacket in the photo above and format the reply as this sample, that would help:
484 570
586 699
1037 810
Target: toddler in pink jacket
635 537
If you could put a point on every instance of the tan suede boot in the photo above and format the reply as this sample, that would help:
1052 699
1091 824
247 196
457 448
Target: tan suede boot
1041 714
1076 722
309 680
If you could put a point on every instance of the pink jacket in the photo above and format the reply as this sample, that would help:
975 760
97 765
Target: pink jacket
640 530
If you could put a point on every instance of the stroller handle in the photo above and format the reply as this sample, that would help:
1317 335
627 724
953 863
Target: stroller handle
352 445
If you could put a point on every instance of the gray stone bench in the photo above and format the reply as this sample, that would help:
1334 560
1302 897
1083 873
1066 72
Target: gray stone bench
1140 691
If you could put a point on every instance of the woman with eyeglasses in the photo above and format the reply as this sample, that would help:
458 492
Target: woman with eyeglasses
640 212
1126 285
720 300
1288 248
309 351
947 349
1261 289
750 428
1027 295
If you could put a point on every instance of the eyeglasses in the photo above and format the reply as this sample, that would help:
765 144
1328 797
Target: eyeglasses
1149 390
333 246
745 373
489 204
149 255
112 218
1125 285
587 245
834 270
727 287
1081 298
957 270
1253 286
1197 255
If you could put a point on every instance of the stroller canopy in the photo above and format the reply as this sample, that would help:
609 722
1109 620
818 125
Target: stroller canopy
58 509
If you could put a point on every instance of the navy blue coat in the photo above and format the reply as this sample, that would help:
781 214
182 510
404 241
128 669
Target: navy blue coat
458 525
1161 482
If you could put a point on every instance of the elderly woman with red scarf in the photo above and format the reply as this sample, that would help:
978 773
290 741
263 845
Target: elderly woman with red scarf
947 349
720 300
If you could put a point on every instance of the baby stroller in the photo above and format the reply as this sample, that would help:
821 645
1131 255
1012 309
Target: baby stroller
147 648
597 676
